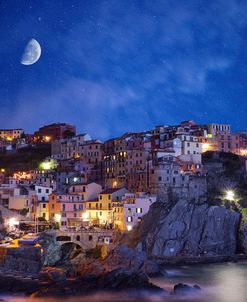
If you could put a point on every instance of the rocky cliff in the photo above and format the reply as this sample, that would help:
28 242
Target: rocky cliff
188 229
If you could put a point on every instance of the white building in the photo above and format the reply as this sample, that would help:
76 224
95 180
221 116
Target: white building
130 211
89 191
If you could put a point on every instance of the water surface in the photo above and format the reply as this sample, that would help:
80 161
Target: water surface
225 282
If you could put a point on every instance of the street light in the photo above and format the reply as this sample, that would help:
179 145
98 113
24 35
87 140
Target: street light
230 195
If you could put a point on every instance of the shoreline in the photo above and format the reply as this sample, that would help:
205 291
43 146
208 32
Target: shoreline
12 283
179 261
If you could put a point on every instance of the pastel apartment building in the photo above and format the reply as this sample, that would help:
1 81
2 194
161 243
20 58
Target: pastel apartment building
99 211
66 209
128 212
11 134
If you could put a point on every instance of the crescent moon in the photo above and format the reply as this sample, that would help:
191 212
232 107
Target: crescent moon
31 53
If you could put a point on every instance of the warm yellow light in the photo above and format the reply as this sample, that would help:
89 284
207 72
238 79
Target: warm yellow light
205 147
9 138
47 138
57 217
114 184
12 222
2 170
85 216
243 152
129 227
230 195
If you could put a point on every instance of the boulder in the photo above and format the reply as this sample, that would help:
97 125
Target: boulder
152 269
183 289
123 278
52 274
125 257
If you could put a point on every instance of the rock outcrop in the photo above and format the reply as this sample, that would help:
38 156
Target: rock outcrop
184 289
189 229
52 250
26 261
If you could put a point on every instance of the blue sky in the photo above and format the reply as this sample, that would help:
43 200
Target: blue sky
124 65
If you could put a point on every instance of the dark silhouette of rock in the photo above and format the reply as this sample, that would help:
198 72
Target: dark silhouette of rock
52 274
183 289
122 278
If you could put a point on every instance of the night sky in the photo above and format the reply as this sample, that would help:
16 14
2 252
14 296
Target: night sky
115 66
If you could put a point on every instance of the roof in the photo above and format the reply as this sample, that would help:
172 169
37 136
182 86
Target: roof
11 129
110 190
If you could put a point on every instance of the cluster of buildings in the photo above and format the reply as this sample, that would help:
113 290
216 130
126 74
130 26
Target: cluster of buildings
113 183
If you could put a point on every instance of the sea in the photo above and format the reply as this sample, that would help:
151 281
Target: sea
224 282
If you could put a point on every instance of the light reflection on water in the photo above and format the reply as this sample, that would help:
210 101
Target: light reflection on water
219 283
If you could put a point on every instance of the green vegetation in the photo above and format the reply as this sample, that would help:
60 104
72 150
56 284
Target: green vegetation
25 159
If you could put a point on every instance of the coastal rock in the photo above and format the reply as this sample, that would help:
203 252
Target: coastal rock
52 274
183 289
125 257
152 269
123 278
52 251
189 229
23 260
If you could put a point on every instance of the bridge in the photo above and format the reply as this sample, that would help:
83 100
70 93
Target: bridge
86 239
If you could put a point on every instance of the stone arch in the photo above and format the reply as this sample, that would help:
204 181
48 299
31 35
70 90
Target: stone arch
77 244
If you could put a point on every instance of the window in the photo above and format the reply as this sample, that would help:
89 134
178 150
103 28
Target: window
129 210
63 207
139 210
44 205
160 178
53 206
75 208
100 213
47 191
39 190
100 197
43 198
129 219
109 197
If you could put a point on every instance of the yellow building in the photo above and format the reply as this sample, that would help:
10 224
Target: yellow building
99 212
54 208
118 216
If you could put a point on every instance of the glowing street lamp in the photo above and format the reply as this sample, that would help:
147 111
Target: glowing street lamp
230 195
